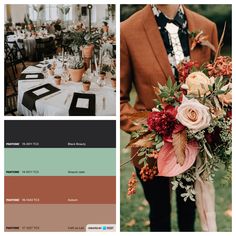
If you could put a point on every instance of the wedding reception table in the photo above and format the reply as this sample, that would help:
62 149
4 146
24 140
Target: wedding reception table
59 102
29 43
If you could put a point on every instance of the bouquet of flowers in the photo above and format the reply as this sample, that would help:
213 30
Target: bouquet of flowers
188 135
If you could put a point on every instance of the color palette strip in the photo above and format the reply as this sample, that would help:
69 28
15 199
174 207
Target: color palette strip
60 161
60 190
59 175
60 133
57 217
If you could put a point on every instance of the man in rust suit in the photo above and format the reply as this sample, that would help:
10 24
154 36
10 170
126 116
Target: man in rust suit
153 41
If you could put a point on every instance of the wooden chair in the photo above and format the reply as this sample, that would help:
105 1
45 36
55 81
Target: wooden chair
10 100
45 48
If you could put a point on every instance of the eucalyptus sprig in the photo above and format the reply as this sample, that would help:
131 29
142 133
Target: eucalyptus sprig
169 93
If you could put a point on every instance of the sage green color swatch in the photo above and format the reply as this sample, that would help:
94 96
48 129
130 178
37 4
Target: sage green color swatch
60 161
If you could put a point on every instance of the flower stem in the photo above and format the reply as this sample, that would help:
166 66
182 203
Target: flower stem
130 158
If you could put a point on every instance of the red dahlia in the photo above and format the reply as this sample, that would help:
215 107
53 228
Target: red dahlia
162 122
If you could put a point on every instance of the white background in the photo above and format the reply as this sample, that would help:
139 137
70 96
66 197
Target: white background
117 2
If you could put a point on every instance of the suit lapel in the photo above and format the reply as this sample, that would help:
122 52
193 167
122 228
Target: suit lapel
192 27
156 42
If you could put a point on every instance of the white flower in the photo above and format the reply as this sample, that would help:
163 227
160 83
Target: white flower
226 99
194 115
197 83
155 109
184 86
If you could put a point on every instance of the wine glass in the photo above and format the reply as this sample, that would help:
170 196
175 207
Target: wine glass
45 72
65 74
101 82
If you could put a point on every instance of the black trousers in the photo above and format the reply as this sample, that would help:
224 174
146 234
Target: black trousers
157 192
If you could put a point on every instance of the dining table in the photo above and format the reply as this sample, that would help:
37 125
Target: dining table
28 43
50 99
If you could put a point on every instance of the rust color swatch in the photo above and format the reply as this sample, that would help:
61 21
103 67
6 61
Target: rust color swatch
60 189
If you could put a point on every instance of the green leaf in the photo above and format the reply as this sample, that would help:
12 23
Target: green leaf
141 154
210 87
170 100
141 161
159 145
144 161
165 94
169 83
158 138
142 149
220 92
217 80
134 135
178 87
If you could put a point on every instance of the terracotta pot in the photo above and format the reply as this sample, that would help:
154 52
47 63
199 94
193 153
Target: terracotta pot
87 63
113 82
105 28
30 27
86 86
88 51
57 79
102 75
76 74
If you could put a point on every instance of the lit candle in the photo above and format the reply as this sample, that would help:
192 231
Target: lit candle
96 65
63 55
100 58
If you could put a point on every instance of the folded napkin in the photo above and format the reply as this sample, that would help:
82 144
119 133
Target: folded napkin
83 104
31 76
40 65
30 97
31 70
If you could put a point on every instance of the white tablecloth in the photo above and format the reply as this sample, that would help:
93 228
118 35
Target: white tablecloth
58 104
29 44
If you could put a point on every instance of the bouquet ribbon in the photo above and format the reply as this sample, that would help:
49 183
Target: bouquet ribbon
205 201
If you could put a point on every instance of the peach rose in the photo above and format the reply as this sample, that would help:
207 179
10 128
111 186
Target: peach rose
197 83
194 115
226 99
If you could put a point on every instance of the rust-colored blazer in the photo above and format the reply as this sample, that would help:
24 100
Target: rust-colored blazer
144 60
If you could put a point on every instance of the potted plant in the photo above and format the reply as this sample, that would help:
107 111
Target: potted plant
113 82
92 40
102 75
74 40
29 22
65 9
38 9
111 11
108 68
76 68
86 85
57 79
105 27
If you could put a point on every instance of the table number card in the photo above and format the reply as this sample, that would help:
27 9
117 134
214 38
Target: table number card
40 91
82 103
32 76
